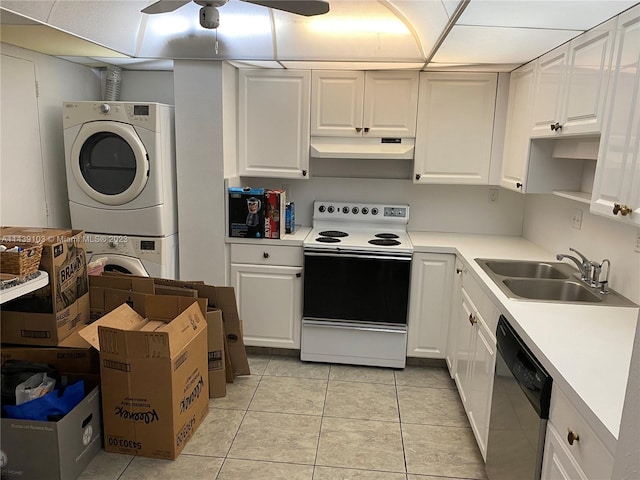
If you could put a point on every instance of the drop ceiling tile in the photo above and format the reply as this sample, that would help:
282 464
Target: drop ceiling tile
466 44
485 67
306 65
552 14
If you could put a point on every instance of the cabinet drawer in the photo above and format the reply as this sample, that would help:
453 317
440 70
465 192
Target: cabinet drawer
481 301
267 255
588 451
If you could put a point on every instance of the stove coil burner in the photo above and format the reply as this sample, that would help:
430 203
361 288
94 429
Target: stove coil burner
386 235
384 242
328 240
333 233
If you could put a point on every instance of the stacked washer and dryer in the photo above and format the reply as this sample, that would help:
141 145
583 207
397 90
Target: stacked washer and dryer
121 179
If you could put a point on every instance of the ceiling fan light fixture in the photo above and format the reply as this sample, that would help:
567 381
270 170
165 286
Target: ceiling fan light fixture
209 17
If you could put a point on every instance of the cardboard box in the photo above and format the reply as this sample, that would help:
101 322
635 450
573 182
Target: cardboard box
67 360
109 292
216 354
50 314
274 224
246 209
53 450
155 375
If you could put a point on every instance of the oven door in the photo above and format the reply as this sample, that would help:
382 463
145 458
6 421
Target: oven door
356 286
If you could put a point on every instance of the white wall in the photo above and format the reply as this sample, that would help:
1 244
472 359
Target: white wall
548 223
58 80
439 208
147 86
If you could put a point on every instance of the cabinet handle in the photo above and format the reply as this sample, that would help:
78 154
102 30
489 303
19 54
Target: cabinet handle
358 129
572 437
472 319
366 129
518 185
623 210
298 275
418 176
265 254
556 127
304 173
458 270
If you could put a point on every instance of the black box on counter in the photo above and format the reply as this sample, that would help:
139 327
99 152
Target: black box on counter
246 212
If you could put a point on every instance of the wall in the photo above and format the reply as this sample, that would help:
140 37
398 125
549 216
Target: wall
147 86
58 80
547 222
440 208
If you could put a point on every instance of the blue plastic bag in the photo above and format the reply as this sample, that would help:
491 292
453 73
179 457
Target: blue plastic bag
50 406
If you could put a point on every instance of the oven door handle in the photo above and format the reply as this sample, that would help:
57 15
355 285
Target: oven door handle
351 326
358 255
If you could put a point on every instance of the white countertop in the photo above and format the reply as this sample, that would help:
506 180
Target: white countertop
41 280
294 239
585 348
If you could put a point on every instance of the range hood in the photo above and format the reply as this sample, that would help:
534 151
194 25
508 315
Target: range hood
373 148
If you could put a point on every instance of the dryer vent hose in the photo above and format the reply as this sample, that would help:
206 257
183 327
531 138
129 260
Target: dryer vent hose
112 84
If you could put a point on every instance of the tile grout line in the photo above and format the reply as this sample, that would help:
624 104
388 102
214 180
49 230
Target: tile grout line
324 405
246 410
404 453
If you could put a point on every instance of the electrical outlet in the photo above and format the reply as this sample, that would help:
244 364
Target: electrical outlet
637 247
493 195
577 219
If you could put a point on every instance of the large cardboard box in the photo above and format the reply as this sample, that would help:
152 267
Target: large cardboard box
50 314
154 375
216 355
108 292
53 450
66 360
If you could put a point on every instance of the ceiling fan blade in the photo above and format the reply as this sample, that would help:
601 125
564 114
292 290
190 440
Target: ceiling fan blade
308 8
164 6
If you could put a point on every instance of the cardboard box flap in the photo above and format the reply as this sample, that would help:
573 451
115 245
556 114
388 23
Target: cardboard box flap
168 307
129 344
184 328
135 284
122 318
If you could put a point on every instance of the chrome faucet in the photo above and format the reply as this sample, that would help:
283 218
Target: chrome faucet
584 264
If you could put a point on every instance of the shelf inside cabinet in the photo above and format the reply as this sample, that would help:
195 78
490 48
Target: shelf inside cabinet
582 197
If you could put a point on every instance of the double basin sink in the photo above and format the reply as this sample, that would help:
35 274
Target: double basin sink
546 282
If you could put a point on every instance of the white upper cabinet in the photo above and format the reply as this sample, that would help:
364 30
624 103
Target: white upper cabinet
455 127
517 140
355 104
616 189
572 83
273 123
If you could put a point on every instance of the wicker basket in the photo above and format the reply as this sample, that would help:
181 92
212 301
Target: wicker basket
22 263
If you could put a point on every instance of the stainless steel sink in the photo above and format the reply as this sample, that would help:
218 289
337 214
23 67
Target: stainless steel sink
551 290
547 282
517 268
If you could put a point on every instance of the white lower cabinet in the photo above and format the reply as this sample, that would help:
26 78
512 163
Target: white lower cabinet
475 353
572 449
268 284
429 304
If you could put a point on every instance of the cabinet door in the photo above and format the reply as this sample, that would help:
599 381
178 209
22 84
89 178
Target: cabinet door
455 127
336 103
557 463
269 303
617 177
390 104
452 337
515 157
480 385
549 91
273 123
466 338
430 305
589 65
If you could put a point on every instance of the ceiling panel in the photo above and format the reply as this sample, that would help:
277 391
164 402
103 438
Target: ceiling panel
475 45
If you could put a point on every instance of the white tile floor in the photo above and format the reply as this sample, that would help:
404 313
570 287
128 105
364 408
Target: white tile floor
293 420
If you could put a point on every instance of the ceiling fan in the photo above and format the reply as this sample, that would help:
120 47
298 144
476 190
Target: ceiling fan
210 17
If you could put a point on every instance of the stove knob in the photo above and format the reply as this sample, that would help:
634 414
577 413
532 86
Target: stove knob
365 210
331 209
321 208
345 209
374 211
355 210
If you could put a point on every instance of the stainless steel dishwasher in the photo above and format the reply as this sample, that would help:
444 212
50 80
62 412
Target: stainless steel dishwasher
519 410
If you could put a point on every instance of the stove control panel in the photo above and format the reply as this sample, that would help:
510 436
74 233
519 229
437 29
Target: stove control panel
360 212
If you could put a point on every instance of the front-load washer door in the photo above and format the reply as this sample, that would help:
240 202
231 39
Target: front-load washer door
109 162
122 264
